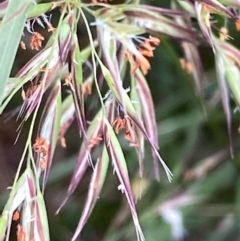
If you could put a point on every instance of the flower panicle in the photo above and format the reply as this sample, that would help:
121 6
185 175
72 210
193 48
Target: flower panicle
125 124
145 49
36 41
41 148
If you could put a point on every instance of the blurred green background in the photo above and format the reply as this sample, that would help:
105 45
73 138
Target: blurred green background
203 200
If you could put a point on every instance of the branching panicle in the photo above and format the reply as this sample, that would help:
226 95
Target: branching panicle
68 72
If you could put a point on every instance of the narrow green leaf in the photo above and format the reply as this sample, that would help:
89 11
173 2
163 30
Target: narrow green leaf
42 222
3 225
39 9
11 30
11 85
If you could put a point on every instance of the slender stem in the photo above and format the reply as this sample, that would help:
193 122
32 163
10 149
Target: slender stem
94 54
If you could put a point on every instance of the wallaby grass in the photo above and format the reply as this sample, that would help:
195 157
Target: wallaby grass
67 77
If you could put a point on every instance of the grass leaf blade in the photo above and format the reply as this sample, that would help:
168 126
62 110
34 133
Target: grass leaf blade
12 29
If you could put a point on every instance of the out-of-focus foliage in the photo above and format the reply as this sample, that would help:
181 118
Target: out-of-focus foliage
81 74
